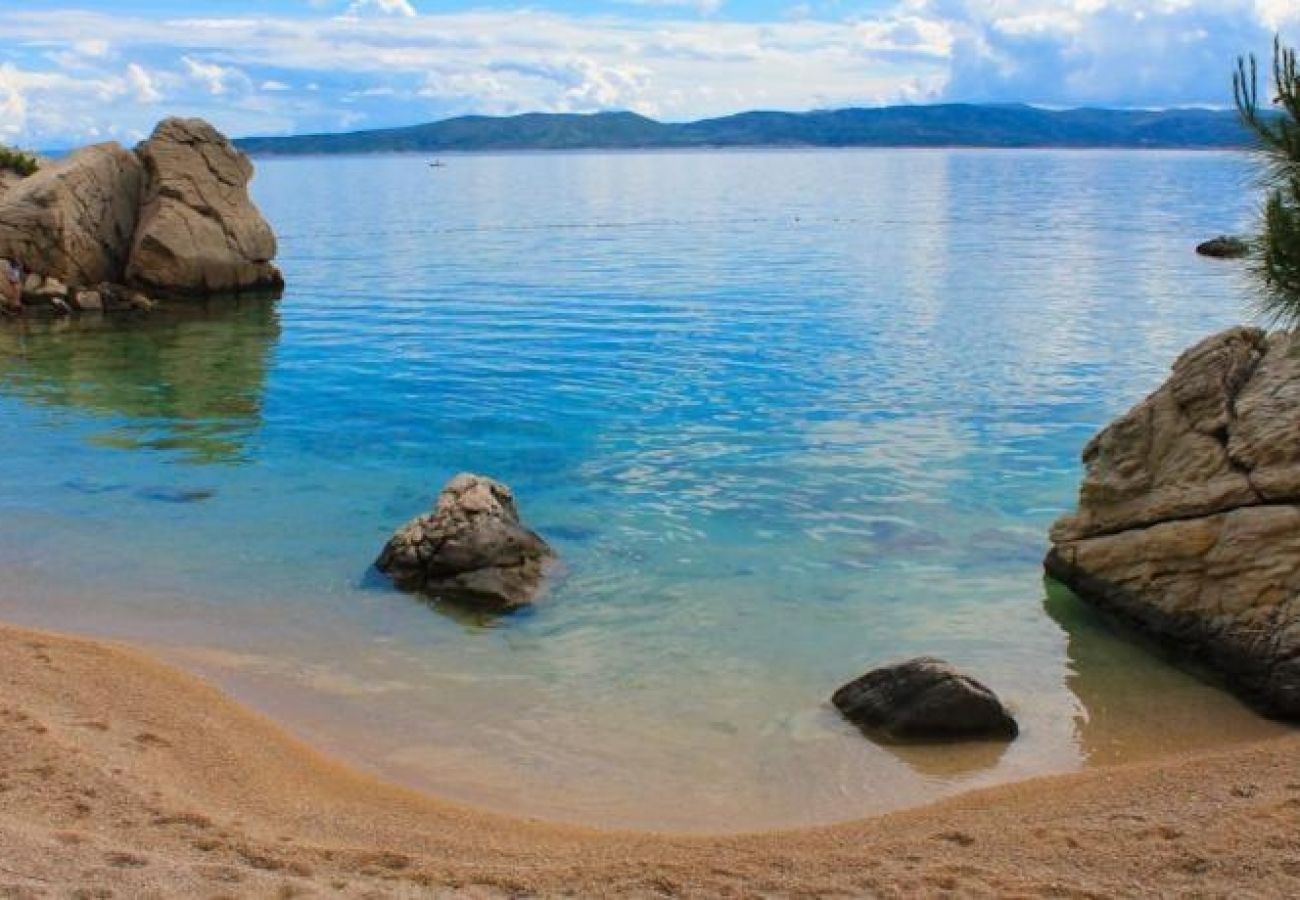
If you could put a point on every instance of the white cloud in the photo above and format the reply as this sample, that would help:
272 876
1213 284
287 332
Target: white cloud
502 61
1113 52
142 84
703 7
13 104
382 7
33 104
380 63
217 79
94 49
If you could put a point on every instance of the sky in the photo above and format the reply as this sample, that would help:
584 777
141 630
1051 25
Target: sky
88 70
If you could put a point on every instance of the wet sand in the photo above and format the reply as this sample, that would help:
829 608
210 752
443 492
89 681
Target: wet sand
120 776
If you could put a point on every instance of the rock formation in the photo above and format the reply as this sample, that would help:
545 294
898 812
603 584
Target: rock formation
924 699
73 220
8 179
173 218
199 233
472 549
1188 524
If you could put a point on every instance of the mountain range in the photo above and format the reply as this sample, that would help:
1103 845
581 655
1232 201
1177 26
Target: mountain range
942 125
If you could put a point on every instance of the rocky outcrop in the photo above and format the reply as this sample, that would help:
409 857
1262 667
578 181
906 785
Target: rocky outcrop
1188 524
1224 247
8 180
924 699
471 550
73 220
199 232
171 219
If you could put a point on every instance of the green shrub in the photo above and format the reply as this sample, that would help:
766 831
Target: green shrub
1276 129
17 161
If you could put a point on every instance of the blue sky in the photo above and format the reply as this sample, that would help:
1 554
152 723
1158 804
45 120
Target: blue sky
98 69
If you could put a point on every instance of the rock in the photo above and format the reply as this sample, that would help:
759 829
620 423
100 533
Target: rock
1224 247
8 180
1188 524
11 290
52 289
74 219
924 699
472 549
173 218
176 495
88 301
134 300
49 293
199 232
113 295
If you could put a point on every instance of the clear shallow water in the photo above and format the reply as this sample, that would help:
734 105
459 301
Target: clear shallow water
785 416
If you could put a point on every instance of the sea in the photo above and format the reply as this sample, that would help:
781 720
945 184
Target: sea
784 415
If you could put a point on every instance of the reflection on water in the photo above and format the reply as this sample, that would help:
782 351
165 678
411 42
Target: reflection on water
950 760
1130 696
189 379
785 417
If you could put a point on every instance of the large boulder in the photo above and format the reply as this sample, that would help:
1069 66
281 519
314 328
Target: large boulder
472 549
173 218
199 233
1188 524
924 699
74 219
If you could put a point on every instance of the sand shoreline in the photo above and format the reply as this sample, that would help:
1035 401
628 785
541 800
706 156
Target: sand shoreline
121 776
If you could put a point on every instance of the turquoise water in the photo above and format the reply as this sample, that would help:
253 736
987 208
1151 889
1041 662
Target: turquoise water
784 416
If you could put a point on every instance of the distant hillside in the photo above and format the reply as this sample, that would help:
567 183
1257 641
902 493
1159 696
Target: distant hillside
952 125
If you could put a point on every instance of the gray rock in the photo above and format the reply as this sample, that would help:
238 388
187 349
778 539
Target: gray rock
1224 247
924 699
472 549
1188 524
199 233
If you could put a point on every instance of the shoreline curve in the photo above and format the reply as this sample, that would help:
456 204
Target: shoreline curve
122 774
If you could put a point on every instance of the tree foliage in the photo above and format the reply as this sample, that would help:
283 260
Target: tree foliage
1276 127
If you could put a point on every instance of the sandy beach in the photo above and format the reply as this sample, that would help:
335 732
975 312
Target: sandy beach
120 776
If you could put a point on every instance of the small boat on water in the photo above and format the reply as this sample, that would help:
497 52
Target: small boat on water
437 164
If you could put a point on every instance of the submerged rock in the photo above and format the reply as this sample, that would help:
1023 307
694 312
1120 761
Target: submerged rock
1188 524
471 549
176 495
924 699
1224 247
199 232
